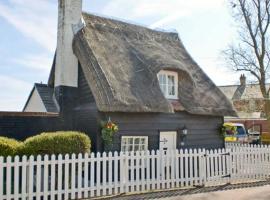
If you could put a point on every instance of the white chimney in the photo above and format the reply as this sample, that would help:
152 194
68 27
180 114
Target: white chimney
66 68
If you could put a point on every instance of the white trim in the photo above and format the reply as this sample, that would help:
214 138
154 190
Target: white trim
133 142
168 133
175 75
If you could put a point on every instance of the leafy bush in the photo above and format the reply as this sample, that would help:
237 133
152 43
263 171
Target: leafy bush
61 142
8 147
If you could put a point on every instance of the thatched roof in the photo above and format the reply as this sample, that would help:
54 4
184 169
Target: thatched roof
121 62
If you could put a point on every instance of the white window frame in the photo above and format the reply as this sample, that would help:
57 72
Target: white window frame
133 142
175 75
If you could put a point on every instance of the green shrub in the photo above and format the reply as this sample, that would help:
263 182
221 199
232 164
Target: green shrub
8 147
61 142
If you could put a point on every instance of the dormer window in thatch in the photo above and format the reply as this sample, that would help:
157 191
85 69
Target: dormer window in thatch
168 82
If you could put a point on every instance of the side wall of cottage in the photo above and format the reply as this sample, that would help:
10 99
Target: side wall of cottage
85 113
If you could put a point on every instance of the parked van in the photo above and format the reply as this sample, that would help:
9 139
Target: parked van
234 132
257 128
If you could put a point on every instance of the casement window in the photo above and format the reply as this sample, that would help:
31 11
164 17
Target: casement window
168 82
134 143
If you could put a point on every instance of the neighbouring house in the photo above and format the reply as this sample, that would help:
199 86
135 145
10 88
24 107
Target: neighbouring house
249 102
143 80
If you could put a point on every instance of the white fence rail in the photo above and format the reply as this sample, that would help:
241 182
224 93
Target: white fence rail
84 176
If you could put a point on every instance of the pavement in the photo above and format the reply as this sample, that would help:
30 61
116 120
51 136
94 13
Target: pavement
256 193
243 191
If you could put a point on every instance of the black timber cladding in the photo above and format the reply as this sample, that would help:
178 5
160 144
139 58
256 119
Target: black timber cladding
85 113
23 125
84 93
203 131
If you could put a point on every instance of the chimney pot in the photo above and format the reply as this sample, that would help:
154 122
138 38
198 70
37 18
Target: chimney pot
242 79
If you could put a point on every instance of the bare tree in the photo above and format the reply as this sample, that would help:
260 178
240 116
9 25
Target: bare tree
252 52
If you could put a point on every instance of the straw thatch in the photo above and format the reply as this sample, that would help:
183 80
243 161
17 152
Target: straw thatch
121 62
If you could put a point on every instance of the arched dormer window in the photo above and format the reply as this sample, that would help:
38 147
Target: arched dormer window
168 82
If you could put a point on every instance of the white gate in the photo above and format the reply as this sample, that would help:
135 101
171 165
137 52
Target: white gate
218 167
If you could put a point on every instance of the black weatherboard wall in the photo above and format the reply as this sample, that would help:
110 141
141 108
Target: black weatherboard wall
22 125
203 131
85 113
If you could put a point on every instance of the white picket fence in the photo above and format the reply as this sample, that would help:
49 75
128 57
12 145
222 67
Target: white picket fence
84 176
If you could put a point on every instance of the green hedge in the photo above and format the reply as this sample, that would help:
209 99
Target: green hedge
8 147
62 142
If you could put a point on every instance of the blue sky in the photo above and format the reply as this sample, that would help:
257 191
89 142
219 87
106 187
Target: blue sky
28 37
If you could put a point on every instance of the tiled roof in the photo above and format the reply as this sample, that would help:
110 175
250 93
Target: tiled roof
46 94
248 91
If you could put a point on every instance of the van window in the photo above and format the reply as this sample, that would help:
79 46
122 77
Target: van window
241 130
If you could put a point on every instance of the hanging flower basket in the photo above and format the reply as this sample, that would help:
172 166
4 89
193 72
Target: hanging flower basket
108 130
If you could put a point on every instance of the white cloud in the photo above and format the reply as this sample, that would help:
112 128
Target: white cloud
166 20
35 19
36 61
167 11
15 95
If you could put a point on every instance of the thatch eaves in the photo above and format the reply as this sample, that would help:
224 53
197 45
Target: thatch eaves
121 62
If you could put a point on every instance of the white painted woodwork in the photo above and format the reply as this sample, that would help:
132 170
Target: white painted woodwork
35 103
66 67
96 175
167 140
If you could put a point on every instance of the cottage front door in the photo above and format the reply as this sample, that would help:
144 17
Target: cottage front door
167 140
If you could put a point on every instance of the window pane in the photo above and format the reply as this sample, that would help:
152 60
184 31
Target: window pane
163 89
171 90
171 80
162 83
142 140
137 141
136 148
162 79
124 148
130 141
130 148
124 141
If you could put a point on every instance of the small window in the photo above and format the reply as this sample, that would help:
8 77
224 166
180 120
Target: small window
133 143
168 82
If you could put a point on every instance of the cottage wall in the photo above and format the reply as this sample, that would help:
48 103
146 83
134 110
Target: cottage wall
85 113
203 131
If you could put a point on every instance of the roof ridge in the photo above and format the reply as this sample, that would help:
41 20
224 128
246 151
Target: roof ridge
248 84
123 21
41 84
